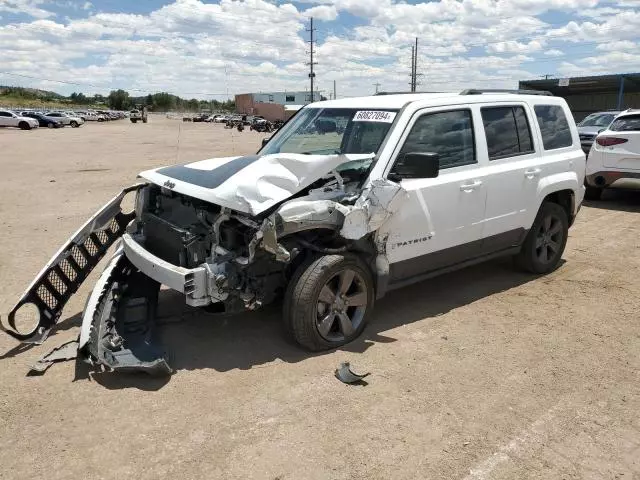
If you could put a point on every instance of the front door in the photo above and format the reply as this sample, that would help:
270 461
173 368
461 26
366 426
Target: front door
441 223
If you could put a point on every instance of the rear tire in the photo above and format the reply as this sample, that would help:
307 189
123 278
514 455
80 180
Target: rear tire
545 243
593 193
328 302
133 120
50 125
24 126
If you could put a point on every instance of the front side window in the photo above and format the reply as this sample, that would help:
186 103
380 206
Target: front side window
449 134
628 123
554 126
332 131
507 131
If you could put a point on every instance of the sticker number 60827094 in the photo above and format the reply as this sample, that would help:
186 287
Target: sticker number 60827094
374 116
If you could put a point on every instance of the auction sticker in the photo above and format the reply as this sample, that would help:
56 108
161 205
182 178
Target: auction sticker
374 116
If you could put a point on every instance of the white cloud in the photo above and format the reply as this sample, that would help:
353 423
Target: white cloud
27 7
326 13
189 47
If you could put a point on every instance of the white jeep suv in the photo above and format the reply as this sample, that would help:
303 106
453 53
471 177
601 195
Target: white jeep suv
350 199
615 155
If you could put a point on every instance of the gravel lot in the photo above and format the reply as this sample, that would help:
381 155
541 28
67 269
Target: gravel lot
484 373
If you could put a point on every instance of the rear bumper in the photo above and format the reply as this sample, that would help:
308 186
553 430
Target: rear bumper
193 282
606 178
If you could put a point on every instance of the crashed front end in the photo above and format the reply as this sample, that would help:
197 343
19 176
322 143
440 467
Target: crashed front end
217 257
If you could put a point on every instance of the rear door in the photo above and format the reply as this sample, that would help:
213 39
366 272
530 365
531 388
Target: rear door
623 143
441 222
512 175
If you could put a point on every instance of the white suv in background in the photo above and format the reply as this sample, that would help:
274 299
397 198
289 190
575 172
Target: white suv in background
66 119
615 155
350 199
12 119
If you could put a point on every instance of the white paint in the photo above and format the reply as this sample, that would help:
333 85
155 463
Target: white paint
530 438
261 184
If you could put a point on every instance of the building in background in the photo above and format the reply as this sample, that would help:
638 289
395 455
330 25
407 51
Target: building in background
586 95
271 105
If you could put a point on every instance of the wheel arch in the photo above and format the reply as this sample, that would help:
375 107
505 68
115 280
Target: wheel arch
561 188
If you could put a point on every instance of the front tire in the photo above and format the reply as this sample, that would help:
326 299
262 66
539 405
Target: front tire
593 193
50 125
545 243
328 302
24 126
74 124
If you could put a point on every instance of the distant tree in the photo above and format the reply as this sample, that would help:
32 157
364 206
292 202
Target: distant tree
118 100
149 100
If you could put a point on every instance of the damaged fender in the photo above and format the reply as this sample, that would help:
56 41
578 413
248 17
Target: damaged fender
372 209
69 267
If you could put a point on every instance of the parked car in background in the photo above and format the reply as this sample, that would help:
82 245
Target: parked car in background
12 119
90 116
202 117
221 119
615 156
213 118
590 126
66 119
44 121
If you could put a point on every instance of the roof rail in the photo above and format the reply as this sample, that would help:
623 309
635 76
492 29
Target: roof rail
473 91
401 93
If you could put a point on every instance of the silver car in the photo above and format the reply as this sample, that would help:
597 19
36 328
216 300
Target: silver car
65 118
593 124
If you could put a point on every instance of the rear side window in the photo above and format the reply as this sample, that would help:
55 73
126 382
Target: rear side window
629 123
553 126
449 134
507 131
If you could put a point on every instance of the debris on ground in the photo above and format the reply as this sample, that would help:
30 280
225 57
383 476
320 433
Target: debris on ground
346 375
62 353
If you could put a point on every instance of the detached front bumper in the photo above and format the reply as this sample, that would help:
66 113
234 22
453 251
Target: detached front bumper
194 283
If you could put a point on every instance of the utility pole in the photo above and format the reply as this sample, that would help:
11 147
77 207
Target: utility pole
415 67
311 63
547 76
377 85
334 90
411 86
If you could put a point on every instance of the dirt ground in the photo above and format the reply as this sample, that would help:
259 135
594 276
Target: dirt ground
486 373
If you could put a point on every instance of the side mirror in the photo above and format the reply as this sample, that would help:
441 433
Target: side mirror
416 165
265 141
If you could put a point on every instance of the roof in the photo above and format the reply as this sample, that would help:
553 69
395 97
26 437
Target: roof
397 101
583 85
630 111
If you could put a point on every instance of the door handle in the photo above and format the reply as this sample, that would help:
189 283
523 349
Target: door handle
468 187
532 173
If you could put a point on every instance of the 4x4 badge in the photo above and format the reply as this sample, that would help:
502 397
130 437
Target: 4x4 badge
169 184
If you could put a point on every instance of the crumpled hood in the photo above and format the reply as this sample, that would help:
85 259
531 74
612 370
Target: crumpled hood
250 184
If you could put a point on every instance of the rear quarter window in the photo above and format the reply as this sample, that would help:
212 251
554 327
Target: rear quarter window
554 127
628 123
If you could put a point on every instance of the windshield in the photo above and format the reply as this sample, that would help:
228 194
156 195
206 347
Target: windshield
333 131
597 120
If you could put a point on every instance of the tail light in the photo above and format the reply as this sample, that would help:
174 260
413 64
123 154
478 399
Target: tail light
610 141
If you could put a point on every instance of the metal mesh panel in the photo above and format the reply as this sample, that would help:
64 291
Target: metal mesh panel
68 270
102 237
91 247
46 296
78 257
57 282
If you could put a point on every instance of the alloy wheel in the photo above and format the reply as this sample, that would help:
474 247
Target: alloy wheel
549 239
341 306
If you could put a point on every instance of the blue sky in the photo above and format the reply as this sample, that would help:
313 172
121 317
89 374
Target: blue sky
212 49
